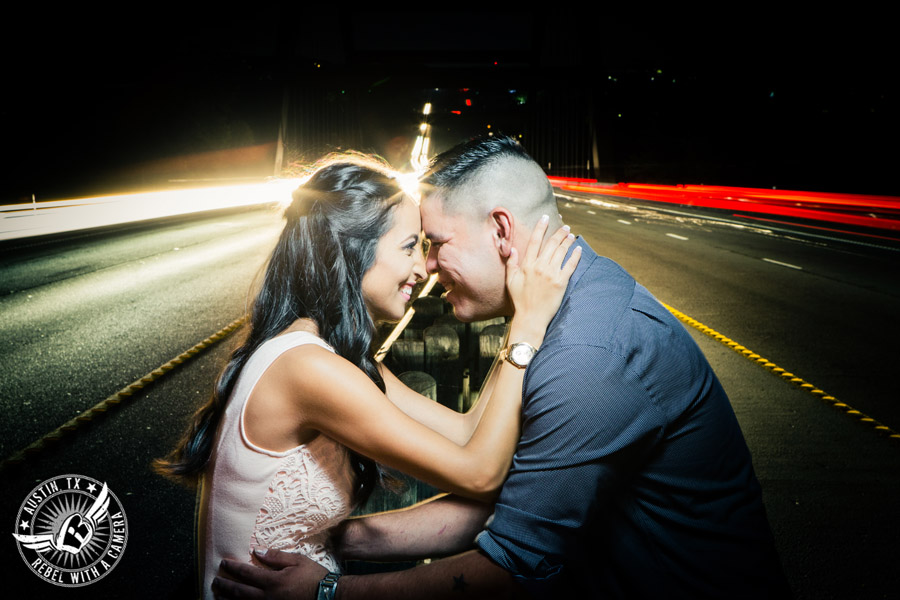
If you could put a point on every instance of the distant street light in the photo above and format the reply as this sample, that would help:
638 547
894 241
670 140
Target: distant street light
419 155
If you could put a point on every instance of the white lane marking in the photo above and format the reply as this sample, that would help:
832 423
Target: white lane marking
591 212
623 222
783 264
677 237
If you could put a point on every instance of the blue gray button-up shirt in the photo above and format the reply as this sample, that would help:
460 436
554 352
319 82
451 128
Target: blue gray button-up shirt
632 477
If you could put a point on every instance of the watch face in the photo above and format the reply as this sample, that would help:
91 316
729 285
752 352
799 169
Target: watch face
521 354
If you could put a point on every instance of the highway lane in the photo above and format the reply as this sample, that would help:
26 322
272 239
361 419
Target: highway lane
85 316
828 482
81 320
823 308
117 447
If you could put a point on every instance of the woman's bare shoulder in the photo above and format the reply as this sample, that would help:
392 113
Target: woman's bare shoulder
289 392
310 367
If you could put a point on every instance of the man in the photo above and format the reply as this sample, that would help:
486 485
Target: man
631 478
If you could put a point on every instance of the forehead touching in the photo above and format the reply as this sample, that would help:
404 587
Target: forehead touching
405 219
511 182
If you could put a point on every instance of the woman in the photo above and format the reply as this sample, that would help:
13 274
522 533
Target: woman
288 443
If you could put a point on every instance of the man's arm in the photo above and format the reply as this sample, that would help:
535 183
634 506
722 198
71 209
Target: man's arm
585 419
295 577
436 527
471 574
440 526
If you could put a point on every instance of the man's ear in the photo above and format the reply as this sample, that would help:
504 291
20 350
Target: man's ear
504 225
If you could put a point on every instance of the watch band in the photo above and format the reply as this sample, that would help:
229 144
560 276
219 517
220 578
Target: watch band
328 586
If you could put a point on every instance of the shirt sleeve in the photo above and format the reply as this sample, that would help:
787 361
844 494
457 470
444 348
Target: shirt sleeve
586 416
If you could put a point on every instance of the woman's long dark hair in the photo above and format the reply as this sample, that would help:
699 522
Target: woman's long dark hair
328 243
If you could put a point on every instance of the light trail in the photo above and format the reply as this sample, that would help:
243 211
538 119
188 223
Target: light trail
42 218
877 212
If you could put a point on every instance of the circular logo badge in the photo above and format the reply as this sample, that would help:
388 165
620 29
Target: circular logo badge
71 530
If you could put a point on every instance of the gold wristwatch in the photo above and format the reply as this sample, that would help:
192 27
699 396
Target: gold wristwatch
518 354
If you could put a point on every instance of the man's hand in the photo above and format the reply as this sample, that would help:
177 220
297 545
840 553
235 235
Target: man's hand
292 576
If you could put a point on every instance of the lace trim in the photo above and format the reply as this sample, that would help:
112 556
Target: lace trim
301 505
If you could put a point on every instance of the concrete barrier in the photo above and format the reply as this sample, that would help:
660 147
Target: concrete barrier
420 382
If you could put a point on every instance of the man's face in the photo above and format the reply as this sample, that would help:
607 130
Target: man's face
465 256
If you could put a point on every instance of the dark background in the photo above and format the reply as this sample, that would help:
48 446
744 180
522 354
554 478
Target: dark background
156 95
98 101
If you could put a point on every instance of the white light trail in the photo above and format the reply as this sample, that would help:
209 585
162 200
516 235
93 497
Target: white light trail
42 218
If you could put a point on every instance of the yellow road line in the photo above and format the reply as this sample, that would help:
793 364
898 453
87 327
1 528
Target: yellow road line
786 376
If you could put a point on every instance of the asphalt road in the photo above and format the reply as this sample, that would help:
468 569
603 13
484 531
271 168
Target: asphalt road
84 315
819 304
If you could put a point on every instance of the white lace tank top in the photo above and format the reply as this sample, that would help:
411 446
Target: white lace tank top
253 497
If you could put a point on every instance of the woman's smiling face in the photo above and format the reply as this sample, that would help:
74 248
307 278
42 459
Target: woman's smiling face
399 264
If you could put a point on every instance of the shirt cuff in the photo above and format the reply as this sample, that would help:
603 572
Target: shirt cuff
538 580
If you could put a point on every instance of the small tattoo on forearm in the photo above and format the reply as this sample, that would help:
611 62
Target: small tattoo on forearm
459 583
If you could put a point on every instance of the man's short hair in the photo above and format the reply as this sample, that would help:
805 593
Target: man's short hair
458 166
486 172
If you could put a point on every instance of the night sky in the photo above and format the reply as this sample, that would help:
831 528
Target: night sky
755 99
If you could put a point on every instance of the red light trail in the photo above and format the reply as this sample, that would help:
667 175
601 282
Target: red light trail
877 212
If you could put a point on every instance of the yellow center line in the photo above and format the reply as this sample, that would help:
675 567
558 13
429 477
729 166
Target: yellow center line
786 376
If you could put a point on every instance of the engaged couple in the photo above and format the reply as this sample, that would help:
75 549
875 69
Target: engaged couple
602 460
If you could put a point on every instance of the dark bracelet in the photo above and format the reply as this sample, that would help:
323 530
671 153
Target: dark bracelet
328 586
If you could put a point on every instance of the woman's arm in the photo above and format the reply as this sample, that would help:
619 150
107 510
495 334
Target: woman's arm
437 417
343 403
449 423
